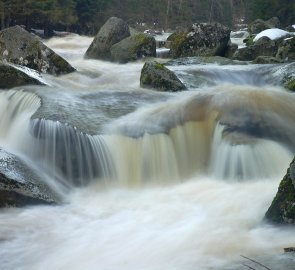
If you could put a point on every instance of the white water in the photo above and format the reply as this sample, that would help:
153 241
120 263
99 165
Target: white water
185 195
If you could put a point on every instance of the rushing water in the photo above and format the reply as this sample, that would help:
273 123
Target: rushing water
163 180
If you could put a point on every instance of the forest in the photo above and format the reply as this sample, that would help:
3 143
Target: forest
86 16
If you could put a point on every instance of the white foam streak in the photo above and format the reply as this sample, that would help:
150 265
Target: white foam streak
203 224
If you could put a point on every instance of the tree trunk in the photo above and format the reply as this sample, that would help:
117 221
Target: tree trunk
2 14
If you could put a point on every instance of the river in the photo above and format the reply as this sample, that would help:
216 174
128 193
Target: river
177 181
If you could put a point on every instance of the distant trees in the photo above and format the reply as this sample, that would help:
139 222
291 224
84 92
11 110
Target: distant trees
86 16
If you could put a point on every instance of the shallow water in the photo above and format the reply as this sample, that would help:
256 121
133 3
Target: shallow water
191 173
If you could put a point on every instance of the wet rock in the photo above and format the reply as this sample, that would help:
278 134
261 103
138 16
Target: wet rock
290 83
20 185
259 25
11 76
112 32
282 209
286 51
202 39
157 76
230 50
22 48
263 47
133 48
266 60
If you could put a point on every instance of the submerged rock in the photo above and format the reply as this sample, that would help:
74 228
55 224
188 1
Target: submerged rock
282 209
22 48
202 39
10 77
157 76
20 185
112 32
133 48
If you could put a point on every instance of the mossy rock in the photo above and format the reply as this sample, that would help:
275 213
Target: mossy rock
19 47
112 32
157 76
201 39
290 84
133 48
282 209
176 42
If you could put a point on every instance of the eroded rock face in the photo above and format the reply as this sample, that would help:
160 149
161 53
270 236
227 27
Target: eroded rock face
133 48
22 48
282 209
11 77
157 76
202 39
20 185
112 32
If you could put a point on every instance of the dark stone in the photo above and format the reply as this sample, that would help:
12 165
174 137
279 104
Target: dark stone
20 185
262 47
259 25
112 32
22 48
230 50
202 39
11 77
157 76
266 60
133 48
282 209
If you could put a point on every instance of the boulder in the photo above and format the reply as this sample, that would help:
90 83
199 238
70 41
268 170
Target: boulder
112 32
290 83
286 51
157 76
266 60
202 39
22 48
20 185
259 25
263 47
133 48
282 209
11 76
231 49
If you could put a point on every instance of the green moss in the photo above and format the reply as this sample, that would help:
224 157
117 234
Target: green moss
290 84
159 66
176 42
249 40
282 209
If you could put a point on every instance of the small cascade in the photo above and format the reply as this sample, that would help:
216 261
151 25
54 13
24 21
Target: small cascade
162 158
16 109
68 155
238 157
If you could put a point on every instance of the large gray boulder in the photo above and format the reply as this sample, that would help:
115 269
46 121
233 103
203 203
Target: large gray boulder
20 47
282 209
112 32
12 76
157 76
202 39
20 185
263 47
133 48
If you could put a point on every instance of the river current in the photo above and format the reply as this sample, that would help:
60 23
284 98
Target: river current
177 181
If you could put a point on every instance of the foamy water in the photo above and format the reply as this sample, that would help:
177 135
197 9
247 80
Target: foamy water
173 204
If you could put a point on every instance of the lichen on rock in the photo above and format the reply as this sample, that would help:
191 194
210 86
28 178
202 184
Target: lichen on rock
157 76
